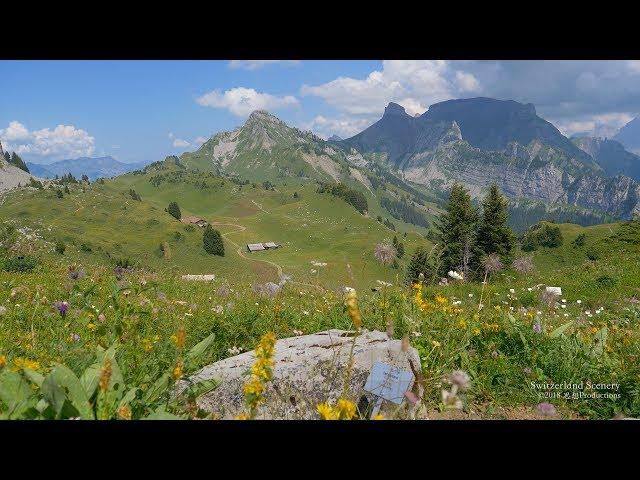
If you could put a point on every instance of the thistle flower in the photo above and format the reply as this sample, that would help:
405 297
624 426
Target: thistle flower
546 409
222 291
119 272
75 274
218 310
461 379
385 253
537 328
62 308
492 263
523 264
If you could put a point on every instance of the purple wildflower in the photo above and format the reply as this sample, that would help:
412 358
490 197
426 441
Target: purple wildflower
75 337
460 378
546 409
119 271
494 354
537 328
527 371
62 308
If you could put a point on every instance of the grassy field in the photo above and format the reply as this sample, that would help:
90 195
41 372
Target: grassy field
152 328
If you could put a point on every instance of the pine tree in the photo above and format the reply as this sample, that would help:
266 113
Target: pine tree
456 236
494 234
18 162
212 241
174 210
400 250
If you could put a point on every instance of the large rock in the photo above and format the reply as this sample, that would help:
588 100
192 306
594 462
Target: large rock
308 370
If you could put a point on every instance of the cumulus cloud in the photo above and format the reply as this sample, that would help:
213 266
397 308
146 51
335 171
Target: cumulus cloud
414 84
200 140
257 64
64 141
242 101
343 126
602 125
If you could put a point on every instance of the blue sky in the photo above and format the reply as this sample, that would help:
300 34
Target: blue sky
145 110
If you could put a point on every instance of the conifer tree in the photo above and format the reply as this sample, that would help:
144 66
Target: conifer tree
494 234
456 236
18 162
174 210
212 241
419 263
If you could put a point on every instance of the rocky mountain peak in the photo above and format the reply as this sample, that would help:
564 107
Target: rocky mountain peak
394 109
1 150
264 118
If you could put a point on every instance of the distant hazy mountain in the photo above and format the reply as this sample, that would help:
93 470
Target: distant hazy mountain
334 138
611 156
91 167
480 141
629 136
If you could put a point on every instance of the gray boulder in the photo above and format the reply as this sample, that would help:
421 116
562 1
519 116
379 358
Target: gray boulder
309 369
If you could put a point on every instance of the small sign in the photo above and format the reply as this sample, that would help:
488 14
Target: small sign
388 382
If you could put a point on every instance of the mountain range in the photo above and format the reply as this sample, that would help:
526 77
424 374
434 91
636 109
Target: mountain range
480 141
93 168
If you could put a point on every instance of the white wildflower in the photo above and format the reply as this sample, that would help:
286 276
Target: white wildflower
456 275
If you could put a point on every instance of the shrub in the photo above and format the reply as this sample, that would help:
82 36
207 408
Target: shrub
579 241
123 262
19 264
542 235
85 247
59 193
606 281
60 247
212 241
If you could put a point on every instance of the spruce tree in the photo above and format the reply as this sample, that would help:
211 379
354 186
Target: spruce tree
174 210
212 241
494 234
456 235
18 162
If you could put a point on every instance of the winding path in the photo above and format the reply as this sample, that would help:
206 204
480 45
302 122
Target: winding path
241 253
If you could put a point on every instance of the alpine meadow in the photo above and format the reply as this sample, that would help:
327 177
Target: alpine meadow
469 260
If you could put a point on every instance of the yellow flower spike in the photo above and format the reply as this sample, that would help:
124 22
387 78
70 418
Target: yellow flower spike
105 375
379 416
352 309
3 361
178 370
91 326
243 416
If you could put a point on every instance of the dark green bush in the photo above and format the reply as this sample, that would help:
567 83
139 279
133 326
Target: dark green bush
19 264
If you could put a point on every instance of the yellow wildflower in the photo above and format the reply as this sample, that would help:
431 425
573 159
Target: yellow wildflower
326 411
346 409
179 338
91 326
243 416
124 413
462 324
476 332
497 308
435 343
379 417
147 346
441 300
22 363
3 361
594 330
178 370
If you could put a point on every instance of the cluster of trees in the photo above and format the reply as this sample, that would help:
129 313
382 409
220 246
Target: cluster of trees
402 210
399 246
15 160
387 223
542 235
466 235
349 195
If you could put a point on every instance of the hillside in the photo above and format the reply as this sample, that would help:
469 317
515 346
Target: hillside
312 227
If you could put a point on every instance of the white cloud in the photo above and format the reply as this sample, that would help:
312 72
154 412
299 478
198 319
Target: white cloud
343 126
242 101
179 143
200 140
257 64
64 141
599 125
467 82
414 84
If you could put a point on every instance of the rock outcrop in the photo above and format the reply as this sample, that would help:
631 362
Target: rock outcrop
309 369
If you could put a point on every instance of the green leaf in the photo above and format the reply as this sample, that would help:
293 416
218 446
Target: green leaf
91 375
159 387
561 329
162 414
16 394
199 349
128 397
62 384
600 341
195 390
33 376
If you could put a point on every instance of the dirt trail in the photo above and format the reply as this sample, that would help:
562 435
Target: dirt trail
240 251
